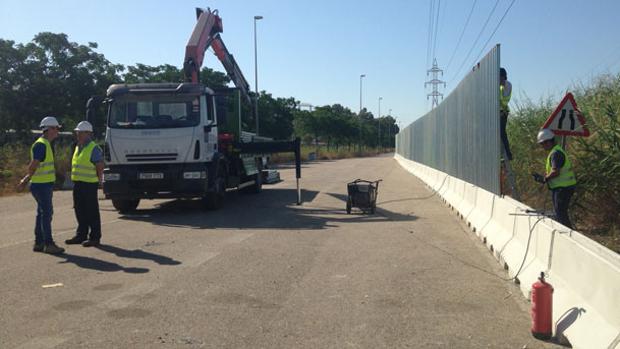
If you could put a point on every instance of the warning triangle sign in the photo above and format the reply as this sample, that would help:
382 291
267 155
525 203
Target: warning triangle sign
567 120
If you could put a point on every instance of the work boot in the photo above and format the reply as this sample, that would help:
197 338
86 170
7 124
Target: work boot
90 243
37 247
53 249
76 240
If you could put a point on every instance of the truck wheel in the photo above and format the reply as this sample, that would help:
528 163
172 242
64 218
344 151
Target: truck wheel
215 200
125 206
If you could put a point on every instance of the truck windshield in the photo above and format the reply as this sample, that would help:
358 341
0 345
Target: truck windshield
155 112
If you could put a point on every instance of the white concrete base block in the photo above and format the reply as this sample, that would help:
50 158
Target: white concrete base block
585 275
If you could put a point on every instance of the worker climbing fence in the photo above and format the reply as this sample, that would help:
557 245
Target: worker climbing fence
461 136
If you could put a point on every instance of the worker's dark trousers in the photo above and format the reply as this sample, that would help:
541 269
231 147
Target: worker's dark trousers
503 120
86 206
561 199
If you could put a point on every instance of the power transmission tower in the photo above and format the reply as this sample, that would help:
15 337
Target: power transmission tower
435 71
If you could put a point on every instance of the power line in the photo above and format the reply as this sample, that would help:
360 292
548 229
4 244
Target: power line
429 37
462 33
475 42
436 27
428 32
494 30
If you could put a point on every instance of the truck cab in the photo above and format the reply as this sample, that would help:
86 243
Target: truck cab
162 142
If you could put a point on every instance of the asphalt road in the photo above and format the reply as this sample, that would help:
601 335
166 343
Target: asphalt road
262 273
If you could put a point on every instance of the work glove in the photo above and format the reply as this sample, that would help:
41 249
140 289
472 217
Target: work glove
539 178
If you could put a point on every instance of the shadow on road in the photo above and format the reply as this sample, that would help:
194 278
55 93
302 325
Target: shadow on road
98 264
390 215
272 209
139 254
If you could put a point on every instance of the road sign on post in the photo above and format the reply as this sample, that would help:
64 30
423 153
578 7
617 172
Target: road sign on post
567 119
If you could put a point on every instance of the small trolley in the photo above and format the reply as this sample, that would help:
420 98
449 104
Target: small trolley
363 195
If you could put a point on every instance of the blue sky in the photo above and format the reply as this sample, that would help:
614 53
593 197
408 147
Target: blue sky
316 50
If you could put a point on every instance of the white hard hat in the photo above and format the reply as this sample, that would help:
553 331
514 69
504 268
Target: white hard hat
84 126
545 135
49 121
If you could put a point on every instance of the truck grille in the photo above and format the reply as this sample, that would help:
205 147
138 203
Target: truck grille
151 157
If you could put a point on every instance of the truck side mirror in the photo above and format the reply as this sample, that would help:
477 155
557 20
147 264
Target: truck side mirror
91 107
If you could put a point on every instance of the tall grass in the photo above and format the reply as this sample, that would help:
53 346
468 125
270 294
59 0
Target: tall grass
14 159
309 152
595 208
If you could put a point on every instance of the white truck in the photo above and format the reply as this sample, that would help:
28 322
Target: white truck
163 141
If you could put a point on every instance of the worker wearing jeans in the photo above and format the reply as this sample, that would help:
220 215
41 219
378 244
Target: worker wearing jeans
43 193
42 175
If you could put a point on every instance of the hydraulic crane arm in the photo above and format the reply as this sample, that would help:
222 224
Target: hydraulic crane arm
207 34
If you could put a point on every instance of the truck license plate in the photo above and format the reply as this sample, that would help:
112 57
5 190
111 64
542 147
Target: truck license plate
151 176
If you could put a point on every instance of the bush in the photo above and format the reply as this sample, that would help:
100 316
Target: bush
14 159
326 153
595 208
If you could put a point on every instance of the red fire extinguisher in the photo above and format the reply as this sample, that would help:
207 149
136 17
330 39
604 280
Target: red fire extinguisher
542 308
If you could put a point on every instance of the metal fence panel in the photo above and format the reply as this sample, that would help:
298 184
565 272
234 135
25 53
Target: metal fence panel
461 135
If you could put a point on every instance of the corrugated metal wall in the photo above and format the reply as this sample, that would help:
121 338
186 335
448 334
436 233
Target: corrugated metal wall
461 136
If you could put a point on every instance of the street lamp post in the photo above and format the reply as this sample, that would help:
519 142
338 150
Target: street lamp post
395 125
390 124
360 114
256 18
379 124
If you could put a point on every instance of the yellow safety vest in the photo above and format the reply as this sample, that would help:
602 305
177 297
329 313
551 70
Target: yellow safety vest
566 177
45 173
82 170
504 100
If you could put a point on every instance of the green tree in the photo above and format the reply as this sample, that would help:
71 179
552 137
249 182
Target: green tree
142 73
276 116
50 76
307 126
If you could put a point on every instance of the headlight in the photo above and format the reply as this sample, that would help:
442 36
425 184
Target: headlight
111 177
195 175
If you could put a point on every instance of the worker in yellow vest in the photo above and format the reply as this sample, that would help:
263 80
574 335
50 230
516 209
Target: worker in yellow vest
42 175
86 174
505 92
559 176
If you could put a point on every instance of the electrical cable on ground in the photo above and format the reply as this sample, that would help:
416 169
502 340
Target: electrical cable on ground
481 268
527 247
434 192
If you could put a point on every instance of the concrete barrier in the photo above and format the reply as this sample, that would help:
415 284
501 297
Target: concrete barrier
585 275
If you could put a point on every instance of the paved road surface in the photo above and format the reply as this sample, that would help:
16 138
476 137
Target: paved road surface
262 273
